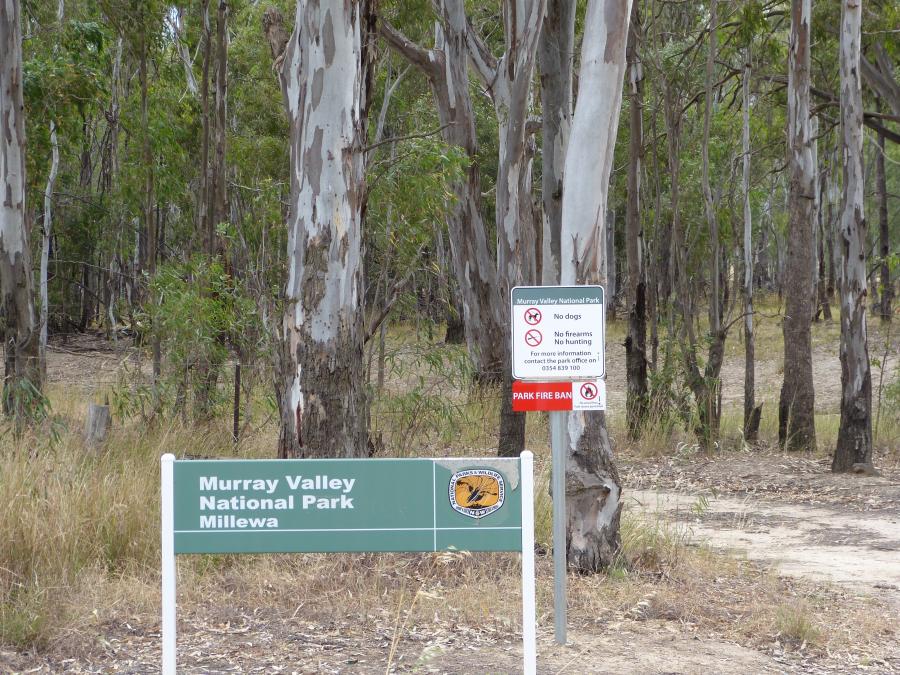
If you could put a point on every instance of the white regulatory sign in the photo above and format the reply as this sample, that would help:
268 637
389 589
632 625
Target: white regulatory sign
558 332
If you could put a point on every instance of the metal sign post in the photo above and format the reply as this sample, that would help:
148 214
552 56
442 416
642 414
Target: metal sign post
558 354
558 488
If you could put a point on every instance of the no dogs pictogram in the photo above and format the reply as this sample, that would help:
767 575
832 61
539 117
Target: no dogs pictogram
588 391
533 316
533 338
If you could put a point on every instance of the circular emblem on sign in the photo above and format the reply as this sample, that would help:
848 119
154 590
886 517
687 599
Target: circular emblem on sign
476 492
533 337
588 391
533 316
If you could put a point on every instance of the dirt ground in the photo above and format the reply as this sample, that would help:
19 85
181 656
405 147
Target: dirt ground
837 537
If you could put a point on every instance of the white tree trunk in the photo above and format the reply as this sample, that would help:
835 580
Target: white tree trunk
508 82
593 488
854 445
45 237
325 75
21 335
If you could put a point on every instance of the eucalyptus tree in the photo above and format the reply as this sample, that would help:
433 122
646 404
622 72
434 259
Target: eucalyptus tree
796 415
556 56
325 72
507 80
21 333
445 68
593 487
854 444
635 342
751 412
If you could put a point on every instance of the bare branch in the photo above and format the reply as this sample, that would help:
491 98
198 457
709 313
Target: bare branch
424 59
395 139
484 63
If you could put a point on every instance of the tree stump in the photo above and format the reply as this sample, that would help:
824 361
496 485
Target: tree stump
97 424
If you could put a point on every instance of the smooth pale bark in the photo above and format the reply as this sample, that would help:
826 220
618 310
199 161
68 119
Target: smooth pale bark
635 343
47 223
556 57
446 69
325 72
854 444
176 25
46 229
593 487
21 335
796 418
884 233
508 83
751 414
823 234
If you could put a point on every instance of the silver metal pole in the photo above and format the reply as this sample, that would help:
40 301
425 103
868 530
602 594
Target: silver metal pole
558 488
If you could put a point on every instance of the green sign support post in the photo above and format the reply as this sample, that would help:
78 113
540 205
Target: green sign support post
347 505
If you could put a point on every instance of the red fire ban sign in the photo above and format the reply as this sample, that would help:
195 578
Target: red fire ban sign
534 396
552 396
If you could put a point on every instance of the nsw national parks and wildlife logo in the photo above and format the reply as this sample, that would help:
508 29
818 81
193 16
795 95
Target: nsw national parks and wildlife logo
476 492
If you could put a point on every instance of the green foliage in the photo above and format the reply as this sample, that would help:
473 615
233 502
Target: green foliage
423 410
200 317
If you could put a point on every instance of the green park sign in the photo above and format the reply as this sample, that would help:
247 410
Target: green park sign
346 505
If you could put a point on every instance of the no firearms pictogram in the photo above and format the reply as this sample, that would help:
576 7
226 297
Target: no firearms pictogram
533 337
533 316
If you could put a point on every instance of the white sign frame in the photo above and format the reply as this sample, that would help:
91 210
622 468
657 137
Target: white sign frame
521 327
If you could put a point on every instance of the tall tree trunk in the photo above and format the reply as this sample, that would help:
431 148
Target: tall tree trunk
712 220
709 402
215 199
824 303
47 222
204 212
508 81
446 69
220 177
887 286
796 413
635 343
555 61
21 335
593 487
46 229
325 71
854 444
751 414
